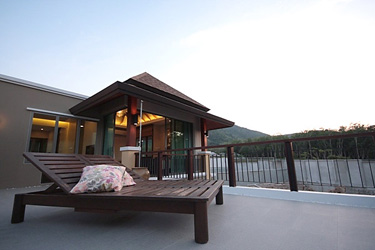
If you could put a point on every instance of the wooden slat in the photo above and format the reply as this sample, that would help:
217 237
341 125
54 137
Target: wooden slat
67 174
66 171
45 161
70 175
72 180
57 167
199 191
213 187
62 163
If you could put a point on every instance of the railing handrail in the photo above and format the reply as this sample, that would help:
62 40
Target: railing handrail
230 155
316 138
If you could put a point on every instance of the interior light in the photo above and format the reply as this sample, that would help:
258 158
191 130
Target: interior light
42 129
81 126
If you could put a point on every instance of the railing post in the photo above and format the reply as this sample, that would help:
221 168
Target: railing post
291 168
136 160
160 166
231 168
190 164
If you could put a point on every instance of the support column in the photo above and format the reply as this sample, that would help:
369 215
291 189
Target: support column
131 130
205 161
128 156
204 133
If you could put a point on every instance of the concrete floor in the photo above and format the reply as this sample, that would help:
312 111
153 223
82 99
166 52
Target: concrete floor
241 223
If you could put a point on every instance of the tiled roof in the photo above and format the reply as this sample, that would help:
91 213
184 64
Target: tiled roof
157 85
148 88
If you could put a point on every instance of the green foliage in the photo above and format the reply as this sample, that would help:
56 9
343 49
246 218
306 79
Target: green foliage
232 135
362 147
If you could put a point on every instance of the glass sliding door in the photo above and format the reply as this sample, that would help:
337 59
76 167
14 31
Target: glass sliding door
179 136
87 137
58 134
109 130
42 133
66 136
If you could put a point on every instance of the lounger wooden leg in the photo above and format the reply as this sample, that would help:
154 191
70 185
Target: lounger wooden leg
219 197
201 222
18 214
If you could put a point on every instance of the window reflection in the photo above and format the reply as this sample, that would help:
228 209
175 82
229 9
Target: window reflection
46 137
87 137
66 135
42 132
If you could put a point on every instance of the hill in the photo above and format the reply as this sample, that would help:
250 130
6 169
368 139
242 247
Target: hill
228 135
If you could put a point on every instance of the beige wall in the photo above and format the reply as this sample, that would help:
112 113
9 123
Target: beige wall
14 128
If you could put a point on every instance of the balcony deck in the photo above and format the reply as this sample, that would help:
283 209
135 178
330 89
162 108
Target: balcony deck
241 223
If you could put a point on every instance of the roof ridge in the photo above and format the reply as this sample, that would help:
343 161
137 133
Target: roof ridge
151 81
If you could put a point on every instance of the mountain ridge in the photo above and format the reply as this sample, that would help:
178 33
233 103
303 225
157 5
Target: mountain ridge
235 133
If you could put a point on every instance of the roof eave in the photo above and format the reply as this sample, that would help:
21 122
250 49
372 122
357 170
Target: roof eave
168 95
96 99
119 88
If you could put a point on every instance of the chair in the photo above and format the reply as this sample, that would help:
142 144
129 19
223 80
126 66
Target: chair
170 196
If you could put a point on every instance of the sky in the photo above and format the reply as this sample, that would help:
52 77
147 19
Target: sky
278 67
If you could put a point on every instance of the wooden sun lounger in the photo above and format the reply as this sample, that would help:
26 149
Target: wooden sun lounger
171 196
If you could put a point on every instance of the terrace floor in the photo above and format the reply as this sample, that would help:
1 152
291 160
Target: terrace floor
241 223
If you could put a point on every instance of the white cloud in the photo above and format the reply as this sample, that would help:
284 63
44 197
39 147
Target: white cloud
307 68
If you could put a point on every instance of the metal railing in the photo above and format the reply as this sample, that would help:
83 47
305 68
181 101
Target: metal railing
339 163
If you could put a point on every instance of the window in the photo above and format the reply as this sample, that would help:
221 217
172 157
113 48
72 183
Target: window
66 135
87 137
56 133
109 129
42 133
179 134
146 143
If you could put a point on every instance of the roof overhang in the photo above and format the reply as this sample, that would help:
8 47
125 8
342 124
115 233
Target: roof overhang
122 89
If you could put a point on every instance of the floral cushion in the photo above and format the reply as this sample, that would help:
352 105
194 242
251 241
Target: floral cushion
127 180
100 178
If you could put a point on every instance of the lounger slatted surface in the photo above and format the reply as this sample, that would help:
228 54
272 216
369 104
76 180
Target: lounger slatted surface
170 196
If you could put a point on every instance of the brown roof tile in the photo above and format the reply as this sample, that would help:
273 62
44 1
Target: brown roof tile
157 85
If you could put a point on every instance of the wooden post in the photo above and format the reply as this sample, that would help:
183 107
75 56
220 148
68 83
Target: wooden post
131 130
204 133
160 166
219 197
190 164
291 168
18 214
201 222
231 168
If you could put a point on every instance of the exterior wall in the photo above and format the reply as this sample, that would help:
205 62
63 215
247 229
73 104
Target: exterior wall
15 122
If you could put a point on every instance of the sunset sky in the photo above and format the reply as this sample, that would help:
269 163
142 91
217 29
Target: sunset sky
278 67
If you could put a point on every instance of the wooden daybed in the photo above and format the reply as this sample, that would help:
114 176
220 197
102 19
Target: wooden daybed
171 196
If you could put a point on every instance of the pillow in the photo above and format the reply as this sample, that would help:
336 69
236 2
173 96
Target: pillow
127 180
99 178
